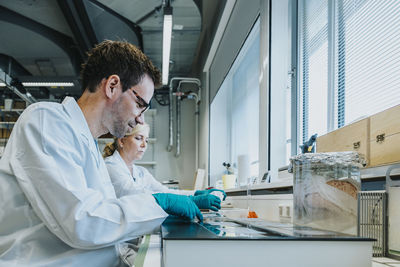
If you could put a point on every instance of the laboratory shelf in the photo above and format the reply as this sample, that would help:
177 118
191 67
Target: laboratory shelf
261 186
6 124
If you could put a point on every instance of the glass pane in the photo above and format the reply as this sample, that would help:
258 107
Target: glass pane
245 103
219 133
234 112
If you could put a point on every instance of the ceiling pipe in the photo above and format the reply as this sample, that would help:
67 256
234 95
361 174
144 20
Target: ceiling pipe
196 99
179 96
178 115
170 94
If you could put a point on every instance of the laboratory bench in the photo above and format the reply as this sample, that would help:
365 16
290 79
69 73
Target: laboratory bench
221 241
385 262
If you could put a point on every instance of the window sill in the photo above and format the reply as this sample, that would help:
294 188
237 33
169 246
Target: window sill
373 173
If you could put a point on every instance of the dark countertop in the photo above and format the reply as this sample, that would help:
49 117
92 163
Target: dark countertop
216 227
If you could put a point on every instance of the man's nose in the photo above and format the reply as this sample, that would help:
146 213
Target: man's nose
140 119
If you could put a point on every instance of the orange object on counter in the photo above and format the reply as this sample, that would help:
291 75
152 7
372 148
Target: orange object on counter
252 214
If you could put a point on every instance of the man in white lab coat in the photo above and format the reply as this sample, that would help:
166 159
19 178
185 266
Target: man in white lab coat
57 204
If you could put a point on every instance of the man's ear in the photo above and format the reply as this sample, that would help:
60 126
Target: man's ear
113 86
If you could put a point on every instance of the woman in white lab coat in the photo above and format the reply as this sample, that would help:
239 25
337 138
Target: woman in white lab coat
128 178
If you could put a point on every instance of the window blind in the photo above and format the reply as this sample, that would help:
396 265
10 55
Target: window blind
359 41
313 67
368 57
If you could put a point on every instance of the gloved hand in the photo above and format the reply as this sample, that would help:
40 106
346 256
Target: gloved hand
178 205
208 191
207 202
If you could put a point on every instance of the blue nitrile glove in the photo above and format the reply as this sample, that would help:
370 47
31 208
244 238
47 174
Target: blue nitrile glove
207 202
178 205
208 191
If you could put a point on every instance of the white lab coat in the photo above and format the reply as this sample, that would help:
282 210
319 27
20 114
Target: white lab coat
57 203
141 180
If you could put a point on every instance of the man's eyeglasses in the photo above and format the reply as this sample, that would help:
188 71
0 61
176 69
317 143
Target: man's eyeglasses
141 103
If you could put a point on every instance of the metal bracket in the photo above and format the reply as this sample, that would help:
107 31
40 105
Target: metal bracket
389 181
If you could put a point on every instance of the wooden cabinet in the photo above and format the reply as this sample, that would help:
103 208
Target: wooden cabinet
385 137
376 137
352 137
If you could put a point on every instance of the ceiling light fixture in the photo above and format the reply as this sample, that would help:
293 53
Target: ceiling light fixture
48 84
167 35
44 84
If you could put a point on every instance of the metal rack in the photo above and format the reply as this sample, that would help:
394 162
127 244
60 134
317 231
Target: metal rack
372 219
393 193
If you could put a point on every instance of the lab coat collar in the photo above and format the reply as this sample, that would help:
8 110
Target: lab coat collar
78 119
80 124
121 161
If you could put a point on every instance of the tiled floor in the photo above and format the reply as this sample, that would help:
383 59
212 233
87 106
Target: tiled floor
384 262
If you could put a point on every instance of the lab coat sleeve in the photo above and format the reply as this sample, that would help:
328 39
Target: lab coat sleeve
156 186
49 166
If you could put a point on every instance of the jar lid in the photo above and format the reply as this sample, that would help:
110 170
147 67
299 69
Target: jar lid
346 158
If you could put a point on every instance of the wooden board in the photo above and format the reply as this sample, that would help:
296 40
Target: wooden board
387 121
385 137
352 137
386 152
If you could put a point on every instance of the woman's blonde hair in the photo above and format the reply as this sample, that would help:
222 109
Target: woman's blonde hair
110 148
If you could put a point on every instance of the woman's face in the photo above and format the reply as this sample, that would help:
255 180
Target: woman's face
135 145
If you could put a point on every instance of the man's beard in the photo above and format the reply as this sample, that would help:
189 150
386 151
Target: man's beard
120 126
119 129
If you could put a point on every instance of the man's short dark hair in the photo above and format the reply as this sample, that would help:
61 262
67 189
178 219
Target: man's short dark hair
120 58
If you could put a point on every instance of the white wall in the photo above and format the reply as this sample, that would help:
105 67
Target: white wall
168 166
